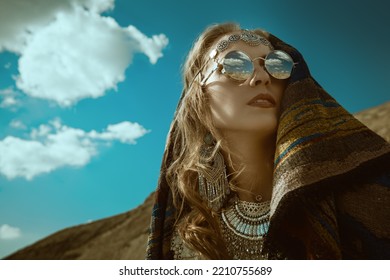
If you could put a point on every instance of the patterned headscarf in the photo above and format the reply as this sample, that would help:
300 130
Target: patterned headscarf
331 190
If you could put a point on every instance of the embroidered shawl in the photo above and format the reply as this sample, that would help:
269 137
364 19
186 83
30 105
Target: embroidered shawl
331 191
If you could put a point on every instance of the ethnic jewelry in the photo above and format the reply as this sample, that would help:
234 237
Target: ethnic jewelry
213 183
244 226
247 36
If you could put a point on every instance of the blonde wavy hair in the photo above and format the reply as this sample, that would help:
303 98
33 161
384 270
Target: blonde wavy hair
196 223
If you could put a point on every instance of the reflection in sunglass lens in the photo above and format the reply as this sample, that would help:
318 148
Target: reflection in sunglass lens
237 65
279 64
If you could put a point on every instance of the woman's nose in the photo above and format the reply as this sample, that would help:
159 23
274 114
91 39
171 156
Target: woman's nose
260 76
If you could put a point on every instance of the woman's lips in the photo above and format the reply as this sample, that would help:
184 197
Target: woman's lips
263 100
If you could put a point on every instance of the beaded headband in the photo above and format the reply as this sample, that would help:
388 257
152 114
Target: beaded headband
249 37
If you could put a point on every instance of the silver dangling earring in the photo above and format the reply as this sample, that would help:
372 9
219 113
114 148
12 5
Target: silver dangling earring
213 183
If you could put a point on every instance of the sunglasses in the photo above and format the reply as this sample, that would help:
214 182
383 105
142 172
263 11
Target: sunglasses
238 66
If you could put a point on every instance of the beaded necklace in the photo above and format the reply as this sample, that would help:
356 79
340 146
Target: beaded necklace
244 226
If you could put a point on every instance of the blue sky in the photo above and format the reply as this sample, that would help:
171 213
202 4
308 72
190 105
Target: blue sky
88 90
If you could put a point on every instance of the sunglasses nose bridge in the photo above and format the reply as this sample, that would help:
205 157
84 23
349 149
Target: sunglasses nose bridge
258 63
262 60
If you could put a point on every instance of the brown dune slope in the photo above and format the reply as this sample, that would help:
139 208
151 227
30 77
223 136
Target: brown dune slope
122 236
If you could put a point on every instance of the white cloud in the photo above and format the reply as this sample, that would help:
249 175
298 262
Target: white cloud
17 124
7 65
8 101
97 6
152 47
20 19
54 145
125 132
7 91
68 51
9 98
9 232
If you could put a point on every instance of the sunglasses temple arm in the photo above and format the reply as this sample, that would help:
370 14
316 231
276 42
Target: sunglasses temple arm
216 65
197 74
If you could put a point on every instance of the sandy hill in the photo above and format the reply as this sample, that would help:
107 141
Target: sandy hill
124 236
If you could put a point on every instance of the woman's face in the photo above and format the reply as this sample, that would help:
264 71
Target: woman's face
249 106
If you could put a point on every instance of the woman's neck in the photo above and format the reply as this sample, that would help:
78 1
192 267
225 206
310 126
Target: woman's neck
256 154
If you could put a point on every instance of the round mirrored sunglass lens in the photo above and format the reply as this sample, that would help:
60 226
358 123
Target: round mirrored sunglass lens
279 64
238 65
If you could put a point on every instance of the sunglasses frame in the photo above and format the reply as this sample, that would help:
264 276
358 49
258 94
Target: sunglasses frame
219 65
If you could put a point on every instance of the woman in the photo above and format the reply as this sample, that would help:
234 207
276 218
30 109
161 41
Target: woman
261 163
